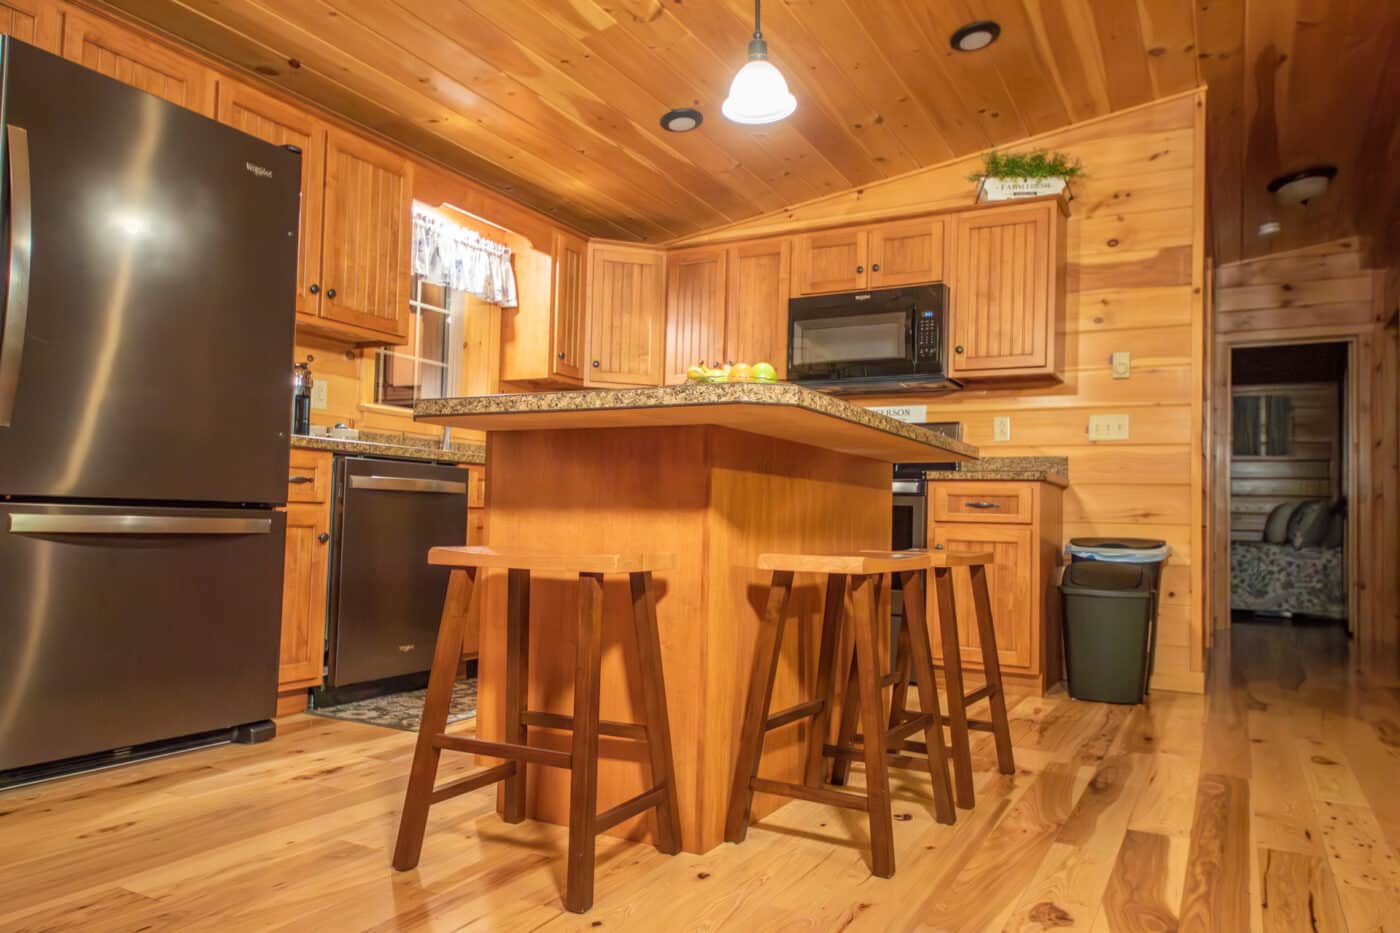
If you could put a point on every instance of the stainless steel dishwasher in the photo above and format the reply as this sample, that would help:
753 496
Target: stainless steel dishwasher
385 601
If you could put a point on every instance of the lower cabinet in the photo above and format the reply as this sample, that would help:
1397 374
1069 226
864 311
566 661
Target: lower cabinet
1019 523
305 577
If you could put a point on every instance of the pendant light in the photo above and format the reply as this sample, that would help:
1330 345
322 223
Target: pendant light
758 94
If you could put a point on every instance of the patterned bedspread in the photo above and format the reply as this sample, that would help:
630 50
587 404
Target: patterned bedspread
1282 578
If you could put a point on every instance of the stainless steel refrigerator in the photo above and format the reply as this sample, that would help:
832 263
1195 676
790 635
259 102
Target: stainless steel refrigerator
144 415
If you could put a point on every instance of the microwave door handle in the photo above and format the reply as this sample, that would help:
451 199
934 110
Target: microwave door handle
21 255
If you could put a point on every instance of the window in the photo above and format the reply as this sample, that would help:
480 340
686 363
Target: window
1263 426
429 364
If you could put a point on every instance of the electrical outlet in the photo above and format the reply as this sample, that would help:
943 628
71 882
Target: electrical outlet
320 399
1108 427
1001 428
1122 363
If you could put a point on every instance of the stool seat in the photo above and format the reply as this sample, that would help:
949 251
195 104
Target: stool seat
943 558
546 561
861 563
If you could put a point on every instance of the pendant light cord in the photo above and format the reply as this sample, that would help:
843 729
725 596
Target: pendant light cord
757 15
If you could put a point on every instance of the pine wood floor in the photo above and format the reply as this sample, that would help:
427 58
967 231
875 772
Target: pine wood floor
1270 804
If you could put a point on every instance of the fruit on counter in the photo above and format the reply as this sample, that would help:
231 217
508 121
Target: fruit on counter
741 372
764 372
731 372
697 374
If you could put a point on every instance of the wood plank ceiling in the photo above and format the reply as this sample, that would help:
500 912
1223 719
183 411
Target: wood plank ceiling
557 102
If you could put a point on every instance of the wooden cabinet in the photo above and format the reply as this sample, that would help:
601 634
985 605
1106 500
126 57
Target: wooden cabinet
1021 528
1007 291
626 315
568 335
132 58
37 22
544 339
305 578
903 252
755 315
282 124
830 261
695 313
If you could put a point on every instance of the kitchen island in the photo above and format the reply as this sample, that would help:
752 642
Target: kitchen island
715 474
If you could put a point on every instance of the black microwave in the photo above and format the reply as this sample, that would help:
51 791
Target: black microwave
881 340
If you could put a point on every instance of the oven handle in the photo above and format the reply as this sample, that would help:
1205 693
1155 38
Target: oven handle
32 524
404 484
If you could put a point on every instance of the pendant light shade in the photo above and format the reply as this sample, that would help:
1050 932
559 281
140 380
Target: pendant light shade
758 93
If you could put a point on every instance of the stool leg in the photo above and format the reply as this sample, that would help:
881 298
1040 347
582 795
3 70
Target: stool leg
850 705
991 666
952 673
921 663
899 694
583 788
765 669
517 686
826 680
658 722
877 785
413 823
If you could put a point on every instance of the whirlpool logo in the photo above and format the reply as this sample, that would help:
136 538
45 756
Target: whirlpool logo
258 170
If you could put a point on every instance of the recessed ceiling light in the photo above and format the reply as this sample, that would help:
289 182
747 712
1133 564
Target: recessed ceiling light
1301 187
975 36
681 120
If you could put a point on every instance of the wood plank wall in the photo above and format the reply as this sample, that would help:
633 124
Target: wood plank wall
1135 277
1312 470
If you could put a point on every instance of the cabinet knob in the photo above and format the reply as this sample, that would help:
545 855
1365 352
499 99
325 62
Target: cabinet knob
323 537
595 364
561 354
938 547
958 349
875 267
330 293
313 288
860 269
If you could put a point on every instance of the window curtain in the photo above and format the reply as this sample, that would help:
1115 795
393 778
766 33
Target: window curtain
461 259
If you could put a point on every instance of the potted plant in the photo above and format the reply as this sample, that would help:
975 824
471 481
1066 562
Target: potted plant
1008 176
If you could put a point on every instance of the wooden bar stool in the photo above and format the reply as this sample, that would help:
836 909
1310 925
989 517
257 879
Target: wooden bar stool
862 576
943 563
585 823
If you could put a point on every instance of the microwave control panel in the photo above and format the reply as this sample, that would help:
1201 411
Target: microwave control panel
926 338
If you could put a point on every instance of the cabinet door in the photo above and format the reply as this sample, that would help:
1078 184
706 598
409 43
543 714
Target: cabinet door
367 236
1002 292
34 21
304 583
626 315
694 310
136 60
282 124
755 327
568 300
831 262
907 252
1010 582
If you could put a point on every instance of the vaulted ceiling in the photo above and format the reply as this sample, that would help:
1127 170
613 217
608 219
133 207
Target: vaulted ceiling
557 102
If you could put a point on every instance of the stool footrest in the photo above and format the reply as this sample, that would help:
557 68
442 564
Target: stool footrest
473 782
536 756
981 693
892 759
975 725
793 714
896 734
833 798
617 730
628 808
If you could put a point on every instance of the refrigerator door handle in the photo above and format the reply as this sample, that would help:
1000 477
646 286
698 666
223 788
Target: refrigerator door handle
21 249
404 484
43 524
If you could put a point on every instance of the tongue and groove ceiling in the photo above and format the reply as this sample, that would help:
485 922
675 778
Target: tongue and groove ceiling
557 102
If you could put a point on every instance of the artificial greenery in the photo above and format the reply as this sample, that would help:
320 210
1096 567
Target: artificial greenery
1035 164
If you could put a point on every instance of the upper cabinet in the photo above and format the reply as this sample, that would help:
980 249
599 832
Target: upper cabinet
905 252
568 338
755 317
626 314
34 21
1008 291
544 339
695 319
275 122
134 59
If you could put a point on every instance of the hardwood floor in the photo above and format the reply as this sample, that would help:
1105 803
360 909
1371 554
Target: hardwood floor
1269 804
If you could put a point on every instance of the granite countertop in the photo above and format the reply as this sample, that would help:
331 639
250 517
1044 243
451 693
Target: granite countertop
1052 470
401 447
735 404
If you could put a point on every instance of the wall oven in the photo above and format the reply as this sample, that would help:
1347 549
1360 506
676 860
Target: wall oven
876 341
909 528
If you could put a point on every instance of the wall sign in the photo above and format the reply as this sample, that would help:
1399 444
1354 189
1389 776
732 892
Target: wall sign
914 414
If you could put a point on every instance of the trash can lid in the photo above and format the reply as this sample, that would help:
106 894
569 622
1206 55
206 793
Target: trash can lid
1125 544
1096 578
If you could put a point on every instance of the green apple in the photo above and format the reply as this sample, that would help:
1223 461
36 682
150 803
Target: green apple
764 372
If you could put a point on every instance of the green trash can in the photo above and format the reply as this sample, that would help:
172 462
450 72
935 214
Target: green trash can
1108 611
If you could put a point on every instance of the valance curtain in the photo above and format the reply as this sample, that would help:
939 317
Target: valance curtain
446 254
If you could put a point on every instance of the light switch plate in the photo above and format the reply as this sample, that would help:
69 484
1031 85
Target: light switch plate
1122 363
1108 427
1001 428
320 393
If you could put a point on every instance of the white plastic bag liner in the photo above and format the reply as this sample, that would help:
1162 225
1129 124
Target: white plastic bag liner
1119 555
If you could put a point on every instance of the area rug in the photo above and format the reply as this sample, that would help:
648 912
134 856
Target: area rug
403 710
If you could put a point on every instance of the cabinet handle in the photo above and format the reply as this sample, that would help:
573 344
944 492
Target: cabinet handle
300 480
875 267
860 269
958 349
323 537
313 288
595 364
983 505
330 293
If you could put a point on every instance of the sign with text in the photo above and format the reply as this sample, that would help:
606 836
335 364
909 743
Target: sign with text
914 414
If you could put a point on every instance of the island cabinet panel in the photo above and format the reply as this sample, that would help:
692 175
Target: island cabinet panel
626 315
907 252
695 319
368 230
1007 291
281 124
831 261
755 322
37 22
568 306
137 60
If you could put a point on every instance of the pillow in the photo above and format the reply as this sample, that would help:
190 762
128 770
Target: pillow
1276 528
1307 527
1336 531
